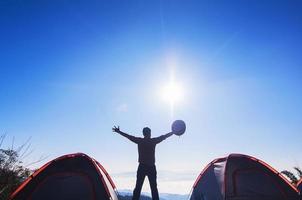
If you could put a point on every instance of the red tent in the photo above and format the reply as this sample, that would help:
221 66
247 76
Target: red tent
299 186
73 176
241 177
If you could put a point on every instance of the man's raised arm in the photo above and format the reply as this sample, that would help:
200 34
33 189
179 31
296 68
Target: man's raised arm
163 137
130 137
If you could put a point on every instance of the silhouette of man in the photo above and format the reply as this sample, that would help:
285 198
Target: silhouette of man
146 159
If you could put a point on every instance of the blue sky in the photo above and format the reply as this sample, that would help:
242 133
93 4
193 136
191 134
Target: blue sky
70 70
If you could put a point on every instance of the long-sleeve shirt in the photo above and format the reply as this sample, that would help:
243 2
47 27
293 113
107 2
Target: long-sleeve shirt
146 148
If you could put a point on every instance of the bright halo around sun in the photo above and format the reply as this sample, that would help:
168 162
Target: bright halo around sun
173 94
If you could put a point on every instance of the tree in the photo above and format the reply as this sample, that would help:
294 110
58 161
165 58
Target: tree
293 177
12 174
12 170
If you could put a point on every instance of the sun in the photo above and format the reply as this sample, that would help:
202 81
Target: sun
173 94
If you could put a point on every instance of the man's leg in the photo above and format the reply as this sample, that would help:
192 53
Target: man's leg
140 177
153 184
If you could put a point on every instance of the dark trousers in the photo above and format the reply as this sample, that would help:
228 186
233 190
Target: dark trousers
142 171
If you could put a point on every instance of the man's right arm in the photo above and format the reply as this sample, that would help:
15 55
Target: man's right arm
130 137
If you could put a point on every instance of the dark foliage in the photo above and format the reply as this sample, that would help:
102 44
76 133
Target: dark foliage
292 176
12 173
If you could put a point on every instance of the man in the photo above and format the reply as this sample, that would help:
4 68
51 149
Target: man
146 159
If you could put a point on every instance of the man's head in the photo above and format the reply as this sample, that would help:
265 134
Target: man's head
147 132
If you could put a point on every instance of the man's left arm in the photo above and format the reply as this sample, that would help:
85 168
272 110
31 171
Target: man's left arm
163 137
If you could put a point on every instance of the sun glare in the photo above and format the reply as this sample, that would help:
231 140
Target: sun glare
173 94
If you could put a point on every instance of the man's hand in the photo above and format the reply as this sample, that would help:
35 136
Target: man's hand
116 129
130 137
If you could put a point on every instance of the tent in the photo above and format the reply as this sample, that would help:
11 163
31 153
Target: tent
241 177
70 177
299 186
